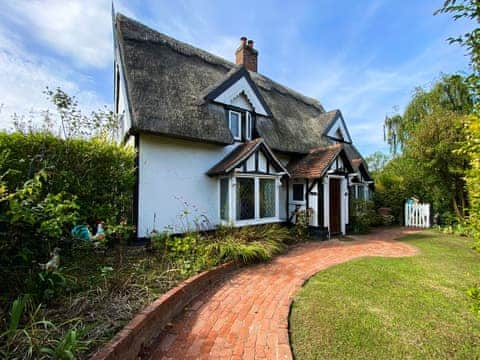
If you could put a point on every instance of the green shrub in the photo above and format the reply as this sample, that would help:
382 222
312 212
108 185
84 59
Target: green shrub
248 244
99 174
302 221
194 252
32 222
362 216
48 185
45 286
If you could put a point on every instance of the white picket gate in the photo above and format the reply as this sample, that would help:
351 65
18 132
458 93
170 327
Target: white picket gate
417 215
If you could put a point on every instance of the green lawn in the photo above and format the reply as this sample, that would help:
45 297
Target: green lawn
384 308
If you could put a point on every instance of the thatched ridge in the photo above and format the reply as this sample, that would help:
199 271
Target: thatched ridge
165 79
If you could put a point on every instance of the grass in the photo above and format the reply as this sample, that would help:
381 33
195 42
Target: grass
392 308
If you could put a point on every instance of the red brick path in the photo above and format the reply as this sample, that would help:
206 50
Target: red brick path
246 316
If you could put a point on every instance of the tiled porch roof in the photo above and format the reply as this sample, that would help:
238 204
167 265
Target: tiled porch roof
315 163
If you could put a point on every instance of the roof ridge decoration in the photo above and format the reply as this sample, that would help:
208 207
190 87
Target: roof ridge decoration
240 154
231 87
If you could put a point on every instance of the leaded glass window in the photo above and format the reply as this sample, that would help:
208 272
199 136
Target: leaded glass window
224 199
245 198
267 198
361 193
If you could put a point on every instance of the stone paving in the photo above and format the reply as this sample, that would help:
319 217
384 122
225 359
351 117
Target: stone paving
246 315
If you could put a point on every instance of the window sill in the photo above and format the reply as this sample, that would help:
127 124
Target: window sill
261 221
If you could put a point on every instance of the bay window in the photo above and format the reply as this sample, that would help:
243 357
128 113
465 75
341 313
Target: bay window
267 198
249 199
245 198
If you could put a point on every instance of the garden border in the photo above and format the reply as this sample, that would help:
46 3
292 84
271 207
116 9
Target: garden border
133 339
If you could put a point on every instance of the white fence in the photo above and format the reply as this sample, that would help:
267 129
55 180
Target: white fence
417 215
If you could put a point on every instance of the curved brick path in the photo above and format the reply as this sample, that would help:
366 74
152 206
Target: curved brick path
246 316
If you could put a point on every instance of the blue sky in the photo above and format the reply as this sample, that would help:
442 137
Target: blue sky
363 57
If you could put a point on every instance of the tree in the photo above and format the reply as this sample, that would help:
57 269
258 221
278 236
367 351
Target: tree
400 179
451 93
432 145
376 161
69 119
393 133
428 133
470 10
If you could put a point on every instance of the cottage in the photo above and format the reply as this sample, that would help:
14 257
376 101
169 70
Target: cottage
225 141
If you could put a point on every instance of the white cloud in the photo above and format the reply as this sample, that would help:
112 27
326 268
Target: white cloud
80 30
25 76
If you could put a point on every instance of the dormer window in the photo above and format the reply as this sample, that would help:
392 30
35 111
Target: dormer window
248 127
240 124
235 124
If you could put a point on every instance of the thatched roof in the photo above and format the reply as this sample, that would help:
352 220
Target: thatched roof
241 153
165 79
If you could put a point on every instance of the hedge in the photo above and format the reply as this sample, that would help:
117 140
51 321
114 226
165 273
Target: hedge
98 173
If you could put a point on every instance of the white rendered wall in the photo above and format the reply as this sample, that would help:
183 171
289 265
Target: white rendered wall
173 172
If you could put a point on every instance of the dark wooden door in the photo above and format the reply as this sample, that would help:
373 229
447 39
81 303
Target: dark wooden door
335 206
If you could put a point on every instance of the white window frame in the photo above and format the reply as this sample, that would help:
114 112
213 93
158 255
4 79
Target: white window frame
277 197
229 199
248 125
239 135
304 191
257 220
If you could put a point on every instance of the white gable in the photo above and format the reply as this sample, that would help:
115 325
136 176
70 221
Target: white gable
251 163
241 86
339 127
262 162
241 101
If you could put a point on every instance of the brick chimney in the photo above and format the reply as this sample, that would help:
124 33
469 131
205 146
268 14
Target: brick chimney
246 55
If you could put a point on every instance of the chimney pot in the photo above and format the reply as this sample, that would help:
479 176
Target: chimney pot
246 55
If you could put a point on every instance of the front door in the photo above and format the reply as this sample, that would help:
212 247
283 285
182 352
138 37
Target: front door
335 206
